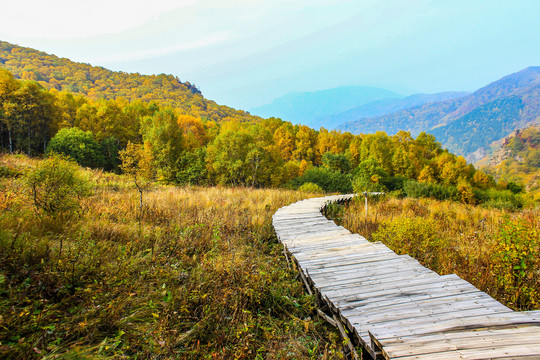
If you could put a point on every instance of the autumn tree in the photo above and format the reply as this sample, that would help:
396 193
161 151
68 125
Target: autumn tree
163 137
138 165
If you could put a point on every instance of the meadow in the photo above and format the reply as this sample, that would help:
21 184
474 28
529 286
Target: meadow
195 273
498 251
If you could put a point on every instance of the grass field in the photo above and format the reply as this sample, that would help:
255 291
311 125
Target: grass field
495 250
197 273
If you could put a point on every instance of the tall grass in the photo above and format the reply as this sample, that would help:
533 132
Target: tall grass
197 274
495 250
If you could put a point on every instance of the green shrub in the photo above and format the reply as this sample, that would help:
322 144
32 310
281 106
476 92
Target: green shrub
369 176
328 180
336 162
500 199
417 189
55 186
79 146
311 188
192 167
414 236
6 171
516 259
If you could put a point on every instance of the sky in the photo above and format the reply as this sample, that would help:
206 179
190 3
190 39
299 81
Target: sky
245 53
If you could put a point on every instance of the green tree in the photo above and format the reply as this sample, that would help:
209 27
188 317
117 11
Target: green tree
336 162
79 146
369 176
163 136
8 106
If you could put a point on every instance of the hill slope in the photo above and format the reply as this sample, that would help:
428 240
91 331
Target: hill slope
517 159
306 107
502 106
97 82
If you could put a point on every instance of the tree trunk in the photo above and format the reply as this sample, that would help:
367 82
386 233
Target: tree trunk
10 142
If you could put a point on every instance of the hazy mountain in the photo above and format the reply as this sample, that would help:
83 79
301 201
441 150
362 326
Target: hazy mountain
466 124
383 107
306 107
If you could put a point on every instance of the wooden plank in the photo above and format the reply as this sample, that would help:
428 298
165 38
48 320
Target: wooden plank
531 351
349 253
384 260
399 288
366 270
510 318
421 315
313 246
372 280
389 300
358 262
465 340
391 305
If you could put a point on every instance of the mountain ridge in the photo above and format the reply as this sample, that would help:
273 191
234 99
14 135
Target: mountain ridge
437 118
386 106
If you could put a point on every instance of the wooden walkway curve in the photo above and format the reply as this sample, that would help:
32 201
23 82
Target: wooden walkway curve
392 305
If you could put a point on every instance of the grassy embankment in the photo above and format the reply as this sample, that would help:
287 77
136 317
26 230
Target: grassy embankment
495 250
197 274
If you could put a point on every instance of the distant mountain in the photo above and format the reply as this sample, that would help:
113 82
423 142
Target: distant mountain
467 124
383 107
305 107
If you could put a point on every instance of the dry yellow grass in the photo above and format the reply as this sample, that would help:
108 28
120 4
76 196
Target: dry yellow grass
495 250
197 274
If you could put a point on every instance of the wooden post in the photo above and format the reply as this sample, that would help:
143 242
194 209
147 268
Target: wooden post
365 199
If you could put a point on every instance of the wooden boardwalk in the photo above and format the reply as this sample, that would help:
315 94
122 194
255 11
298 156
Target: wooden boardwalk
392 305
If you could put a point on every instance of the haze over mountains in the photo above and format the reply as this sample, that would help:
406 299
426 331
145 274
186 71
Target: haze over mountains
382 107
306 107
465 123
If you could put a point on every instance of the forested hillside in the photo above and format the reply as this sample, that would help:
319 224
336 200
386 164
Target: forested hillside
98 83
517 159
384 107
502 106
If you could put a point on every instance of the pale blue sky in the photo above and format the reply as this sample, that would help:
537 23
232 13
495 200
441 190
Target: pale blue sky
245 53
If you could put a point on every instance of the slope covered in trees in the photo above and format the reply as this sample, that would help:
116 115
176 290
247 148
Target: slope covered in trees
509 103
98 83
517 160
383 107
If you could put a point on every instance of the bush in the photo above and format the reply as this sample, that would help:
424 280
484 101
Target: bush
56 186
417 189
79 146
328 180
500 199
516 257
413 236
311 188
